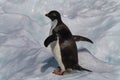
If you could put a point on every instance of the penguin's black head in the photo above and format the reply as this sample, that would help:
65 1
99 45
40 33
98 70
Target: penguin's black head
53 15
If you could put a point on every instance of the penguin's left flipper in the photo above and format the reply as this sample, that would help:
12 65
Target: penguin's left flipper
81 38
49 39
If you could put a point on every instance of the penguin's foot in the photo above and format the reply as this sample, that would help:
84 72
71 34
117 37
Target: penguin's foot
58 72
69 70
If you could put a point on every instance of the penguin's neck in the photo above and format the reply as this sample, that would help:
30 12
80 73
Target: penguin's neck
60 21
54 24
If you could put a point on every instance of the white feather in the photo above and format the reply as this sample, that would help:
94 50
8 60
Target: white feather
55 47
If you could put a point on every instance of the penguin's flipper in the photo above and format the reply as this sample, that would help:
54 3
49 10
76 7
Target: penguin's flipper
81 38
49 39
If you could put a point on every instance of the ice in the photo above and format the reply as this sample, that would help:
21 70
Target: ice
24 27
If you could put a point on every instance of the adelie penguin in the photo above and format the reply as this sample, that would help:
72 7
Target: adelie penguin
63 45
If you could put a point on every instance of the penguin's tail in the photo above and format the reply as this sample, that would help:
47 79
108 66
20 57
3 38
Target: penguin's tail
81 68
81 38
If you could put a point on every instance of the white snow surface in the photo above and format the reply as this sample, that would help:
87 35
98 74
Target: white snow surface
24 27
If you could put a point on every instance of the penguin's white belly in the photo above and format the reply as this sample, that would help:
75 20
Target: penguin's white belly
55 47
57 53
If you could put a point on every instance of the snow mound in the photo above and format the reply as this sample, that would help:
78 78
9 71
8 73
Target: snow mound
23 29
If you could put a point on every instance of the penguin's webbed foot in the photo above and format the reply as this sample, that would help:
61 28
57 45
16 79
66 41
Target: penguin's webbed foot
58 72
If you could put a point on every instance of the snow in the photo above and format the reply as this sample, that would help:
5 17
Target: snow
23 29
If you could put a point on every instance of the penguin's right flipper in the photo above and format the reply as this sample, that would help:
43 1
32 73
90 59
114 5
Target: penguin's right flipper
49 39
81 38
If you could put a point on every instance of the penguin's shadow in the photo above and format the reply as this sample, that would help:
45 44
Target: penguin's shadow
51 62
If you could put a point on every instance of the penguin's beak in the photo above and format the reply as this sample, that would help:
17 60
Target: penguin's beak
46 14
